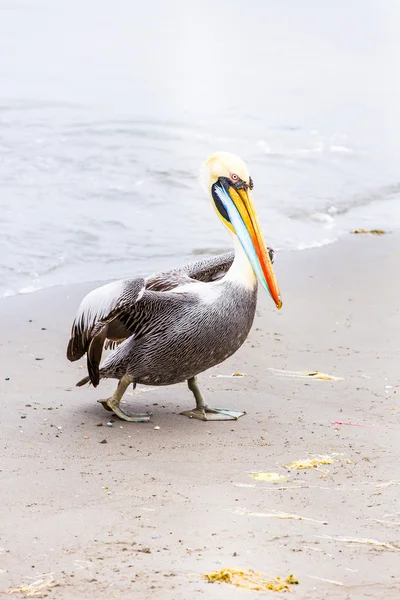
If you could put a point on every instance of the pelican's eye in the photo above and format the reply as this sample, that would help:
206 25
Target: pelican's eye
234 177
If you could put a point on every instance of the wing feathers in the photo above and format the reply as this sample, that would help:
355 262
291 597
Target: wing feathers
97 310
94 353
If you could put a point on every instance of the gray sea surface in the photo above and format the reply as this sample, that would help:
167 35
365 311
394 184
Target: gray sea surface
108 108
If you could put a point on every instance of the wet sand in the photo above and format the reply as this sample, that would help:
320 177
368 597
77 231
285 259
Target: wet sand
148 512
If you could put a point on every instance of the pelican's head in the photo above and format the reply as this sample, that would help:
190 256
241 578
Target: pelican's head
229 184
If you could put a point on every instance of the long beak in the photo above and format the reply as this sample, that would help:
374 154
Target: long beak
243 217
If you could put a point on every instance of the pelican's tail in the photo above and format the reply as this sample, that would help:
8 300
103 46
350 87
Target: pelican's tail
83 381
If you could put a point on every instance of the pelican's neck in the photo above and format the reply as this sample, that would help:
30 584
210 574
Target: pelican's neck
241 269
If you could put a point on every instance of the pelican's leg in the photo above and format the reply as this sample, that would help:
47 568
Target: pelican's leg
205 412
112 403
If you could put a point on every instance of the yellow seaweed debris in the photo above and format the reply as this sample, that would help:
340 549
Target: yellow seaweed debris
314 463
324 376
36 589
273 515
313 374
235 374
269 477
373 231
251 580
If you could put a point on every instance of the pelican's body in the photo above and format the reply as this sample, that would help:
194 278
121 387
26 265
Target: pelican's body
190 329
174 325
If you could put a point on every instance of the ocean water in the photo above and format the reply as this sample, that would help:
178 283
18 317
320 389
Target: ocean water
108 109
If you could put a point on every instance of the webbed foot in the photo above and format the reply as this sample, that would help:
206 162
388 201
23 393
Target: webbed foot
207 413
123 415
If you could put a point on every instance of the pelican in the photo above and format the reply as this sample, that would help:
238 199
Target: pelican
171 326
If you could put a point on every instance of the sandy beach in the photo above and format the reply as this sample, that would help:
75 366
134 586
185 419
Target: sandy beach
145 510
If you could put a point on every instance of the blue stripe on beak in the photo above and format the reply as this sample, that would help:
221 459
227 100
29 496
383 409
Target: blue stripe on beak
242 233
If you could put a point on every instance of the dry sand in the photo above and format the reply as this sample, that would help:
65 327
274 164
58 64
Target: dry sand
147 513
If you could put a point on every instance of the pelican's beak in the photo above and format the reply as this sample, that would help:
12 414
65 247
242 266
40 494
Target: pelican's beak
244 222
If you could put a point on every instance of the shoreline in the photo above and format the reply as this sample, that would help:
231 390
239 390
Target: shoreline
195 255
156 509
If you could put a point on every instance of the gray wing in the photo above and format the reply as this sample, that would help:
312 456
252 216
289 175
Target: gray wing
206 270
97 320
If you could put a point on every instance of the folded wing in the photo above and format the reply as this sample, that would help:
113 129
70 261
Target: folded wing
97 321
